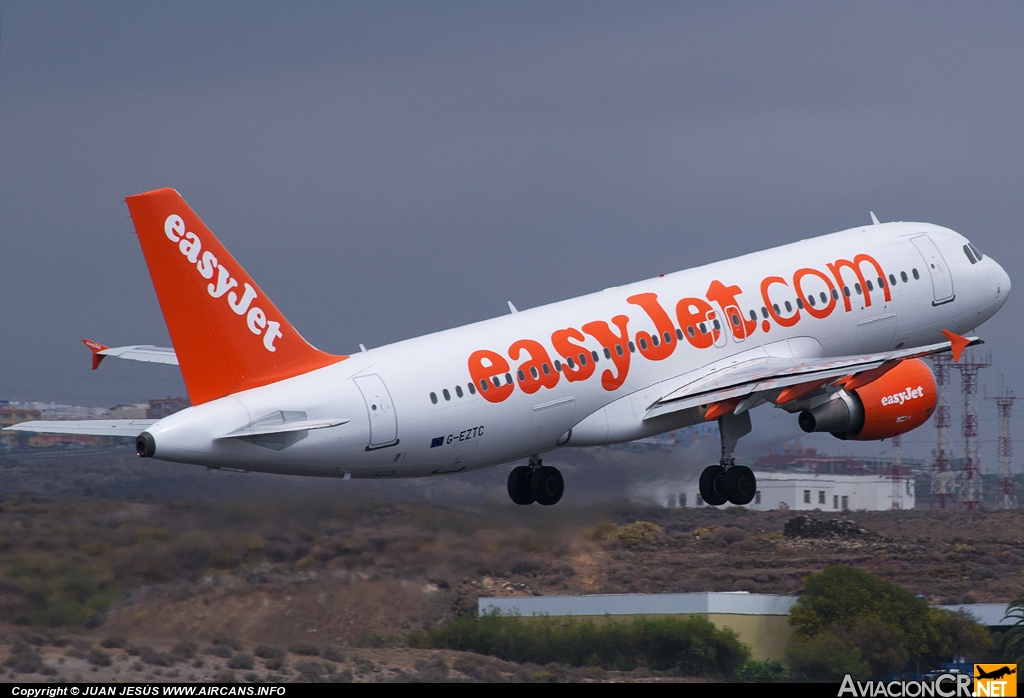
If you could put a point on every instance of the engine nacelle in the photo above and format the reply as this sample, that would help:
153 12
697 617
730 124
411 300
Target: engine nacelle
901 400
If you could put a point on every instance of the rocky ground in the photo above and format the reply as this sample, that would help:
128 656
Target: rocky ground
105 586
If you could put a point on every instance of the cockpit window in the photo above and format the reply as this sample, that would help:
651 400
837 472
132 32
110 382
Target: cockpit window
970 254
975 250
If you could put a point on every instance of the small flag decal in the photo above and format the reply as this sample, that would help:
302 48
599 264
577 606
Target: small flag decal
437 441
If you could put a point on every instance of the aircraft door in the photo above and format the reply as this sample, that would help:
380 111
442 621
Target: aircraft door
714 326
734 319
380 410
942 280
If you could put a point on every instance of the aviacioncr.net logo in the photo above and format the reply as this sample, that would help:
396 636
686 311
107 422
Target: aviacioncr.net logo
945 686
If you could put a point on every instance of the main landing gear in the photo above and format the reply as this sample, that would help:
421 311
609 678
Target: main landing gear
728 482
535 483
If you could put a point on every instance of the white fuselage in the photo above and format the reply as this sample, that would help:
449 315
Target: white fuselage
405 417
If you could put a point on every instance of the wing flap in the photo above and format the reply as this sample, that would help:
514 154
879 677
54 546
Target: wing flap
766 375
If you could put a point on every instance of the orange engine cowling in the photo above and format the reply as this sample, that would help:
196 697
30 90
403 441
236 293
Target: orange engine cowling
901 400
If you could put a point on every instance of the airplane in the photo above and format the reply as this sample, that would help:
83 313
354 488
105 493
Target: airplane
995 673
832 329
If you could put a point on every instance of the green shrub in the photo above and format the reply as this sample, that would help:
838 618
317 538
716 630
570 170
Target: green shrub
688 646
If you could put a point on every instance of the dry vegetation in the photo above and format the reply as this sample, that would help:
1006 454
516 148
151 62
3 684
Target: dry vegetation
324 587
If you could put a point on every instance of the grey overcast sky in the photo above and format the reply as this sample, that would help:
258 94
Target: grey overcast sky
387 169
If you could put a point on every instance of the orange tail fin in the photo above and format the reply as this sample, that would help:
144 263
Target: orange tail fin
227 334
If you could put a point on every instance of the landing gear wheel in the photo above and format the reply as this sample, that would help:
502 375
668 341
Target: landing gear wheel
519 485
712 485
546 485
740 484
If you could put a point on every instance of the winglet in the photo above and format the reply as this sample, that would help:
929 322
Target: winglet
97 349
874 219
956 343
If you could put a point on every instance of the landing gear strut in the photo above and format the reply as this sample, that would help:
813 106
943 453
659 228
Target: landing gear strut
728 482
535 483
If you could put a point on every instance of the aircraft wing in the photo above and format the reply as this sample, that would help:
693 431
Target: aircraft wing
135 352
90 427
746 383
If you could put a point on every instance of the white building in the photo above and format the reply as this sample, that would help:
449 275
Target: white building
805 491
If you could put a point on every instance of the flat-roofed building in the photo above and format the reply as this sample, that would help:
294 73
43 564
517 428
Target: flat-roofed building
808 491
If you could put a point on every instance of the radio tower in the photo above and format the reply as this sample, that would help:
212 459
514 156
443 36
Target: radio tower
970 478
1004 402
897 472
943 480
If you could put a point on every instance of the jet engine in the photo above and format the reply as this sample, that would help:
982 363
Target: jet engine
900 400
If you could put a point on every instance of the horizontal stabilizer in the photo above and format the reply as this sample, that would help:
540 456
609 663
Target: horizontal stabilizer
282 422
135 352
90 427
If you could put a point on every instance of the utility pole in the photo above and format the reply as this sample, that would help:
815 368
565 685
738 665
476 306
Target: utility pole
970 477
1004 403
943 485
897 474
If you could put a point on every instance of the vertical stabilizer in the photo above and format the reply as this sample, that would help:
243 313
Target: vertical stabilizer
227 334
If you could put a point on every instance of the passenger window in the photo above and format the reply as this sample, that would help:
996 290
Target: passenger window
881 282
472 388
497 381
857 288
522 376
689 331
835 294
484 385
447 395
533 372
753 316
810 299
668 337
800 303
632 347
903 275
892 280
916 275
458 390
607 353
824 298
654 340
703 328
433 398
846 291
570 363
508 379
558 365
643 343
870 285
595 355
775 307
789 307
583 359
735 320
679 334
764 312
618 349
547 369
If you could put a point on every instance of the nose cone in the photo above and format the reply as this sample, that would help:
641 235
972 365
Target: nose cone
1002 283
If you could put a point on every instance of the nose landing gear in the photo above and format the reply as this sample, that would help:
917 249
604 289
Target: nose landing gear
535 483
728 482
